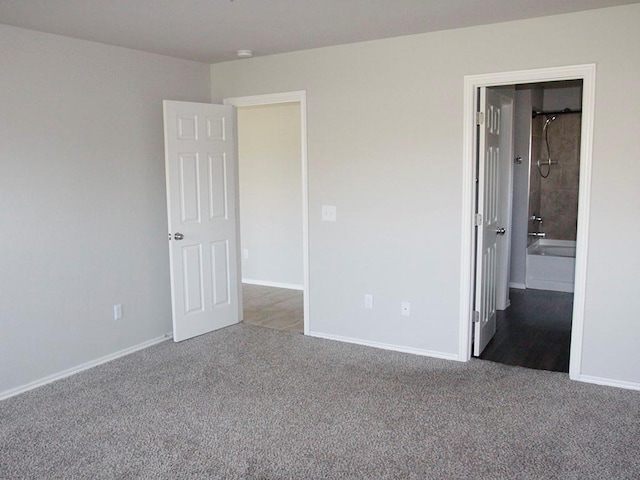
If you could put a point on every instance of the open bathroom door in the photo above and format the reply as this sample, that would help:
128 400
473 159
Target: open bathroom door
487 218
505 196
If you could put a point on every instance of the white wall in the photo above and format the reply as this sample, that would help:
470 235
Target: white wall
82 199
385 147
271 193
519 225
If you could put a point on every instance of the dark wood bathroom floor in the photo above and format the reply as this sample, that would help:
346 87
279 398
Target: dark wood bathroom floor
534 332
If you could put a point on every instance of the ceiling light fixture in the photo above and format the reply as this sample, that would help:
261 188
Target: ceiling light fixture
245 53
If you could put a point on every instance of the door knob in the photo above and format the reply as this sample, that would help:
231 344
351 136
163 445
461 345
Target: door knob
179 236
500 231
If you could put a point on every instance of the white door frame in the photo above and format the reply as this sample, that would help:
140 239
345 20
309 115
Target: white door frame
301 98
586 73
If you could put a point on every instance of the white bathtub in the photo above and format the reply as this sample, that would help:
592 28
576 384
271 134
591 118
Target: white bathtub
551 265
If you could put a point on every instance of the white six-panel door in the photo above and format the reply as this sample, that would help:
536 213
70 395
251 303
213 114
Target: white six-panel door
201 172
488 228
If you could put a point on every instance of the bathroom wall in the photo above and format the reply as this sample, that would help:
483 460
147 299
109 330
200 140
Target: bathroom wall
519 208
565 95
527 99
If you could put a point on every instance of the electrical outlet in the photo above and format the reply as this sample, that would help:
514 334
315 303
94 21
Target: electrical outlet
117 311
368 302
245 253
405 309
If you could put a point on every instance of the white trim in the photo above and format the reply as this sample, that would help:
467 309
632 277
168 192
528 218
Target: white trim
85 366
587 73
386 346
267 283
519 286
608 382
286 97
584 208
267 99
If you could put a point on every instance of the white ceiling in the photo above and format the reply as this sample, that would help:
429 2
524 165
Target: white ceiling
212 31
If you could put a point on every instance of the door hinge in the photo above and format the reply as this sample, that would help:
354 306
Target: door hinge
477 219
476 316
479 118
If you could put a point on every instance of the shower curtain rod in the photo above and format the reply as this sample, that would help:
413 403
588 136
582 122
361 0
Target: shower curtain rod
555 112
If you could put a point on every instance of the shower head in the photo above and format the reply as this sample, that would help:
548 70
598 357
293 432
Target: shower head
550 119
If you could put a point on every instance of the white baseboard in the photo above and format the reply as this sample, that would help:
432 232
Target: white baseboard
85 366
267 283
519 286
608 382
506 305
386 346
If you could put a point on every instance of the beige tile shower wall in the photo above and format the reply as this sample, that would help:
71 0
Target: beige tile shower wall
559 191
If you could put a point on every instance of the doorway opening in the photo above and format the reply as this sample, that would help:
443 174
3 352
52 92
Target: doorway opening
273 245
504 234
540 185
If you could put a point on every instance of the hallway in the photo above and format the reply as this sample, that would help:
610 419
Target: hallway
278 308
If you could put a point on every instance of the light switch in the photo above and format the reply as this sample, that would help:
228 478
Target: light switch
328 213
368 301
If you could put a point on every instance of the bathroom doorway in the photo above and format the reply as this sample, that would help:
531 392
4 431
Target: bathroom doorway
549 313
534 330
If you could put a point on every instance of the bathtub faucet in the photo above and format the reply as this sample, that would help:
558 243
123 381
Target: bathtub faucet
539 235
535 218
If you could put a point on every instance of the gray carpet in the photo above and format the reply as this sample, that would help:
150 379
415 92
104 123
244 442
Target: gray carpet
252 403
